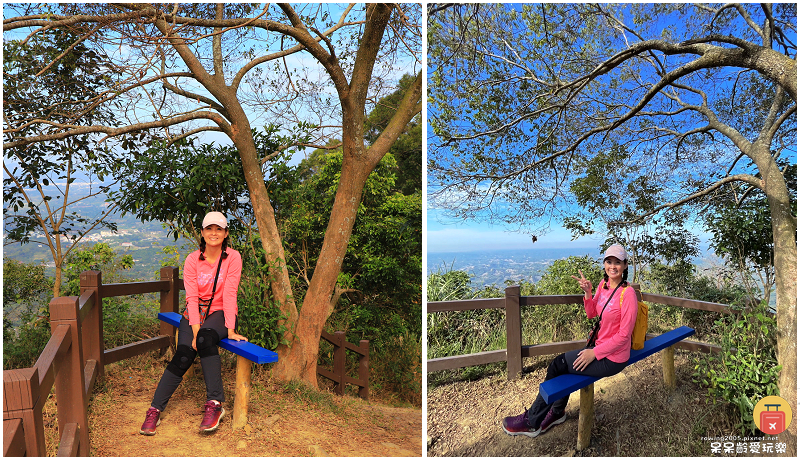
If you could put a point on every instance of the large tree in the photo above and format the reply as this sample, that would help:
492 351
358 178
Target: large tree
522 95
188 68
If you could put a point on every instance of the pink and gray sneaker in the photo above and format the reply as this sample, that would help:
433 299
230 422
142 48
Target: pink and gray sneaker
212 414
151 420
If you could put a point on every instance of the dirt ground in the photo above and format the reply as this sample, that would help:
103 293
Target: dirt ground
282 420
635 415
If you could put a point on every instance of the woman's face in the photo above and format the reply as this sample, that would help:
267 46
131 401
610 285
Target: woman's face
614 267
214 235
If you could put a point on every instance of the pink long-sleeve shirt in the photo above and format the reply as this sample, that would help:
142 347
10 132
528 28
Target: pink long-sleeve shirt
614 338
198 280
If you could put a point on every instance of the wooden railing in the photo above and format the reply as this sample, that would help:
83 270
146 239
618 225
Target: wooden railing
340 345
73 361
515 351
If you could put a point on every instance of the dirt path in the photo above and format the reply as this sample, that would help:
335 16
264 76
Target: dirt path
282 421
635 415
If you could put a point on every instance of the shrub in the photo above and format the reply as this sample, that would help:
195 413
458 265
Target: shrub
23 345
747 368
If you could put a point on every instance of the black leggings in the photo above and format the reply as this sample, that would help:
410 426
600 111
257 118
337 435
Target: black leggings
184 356
563 365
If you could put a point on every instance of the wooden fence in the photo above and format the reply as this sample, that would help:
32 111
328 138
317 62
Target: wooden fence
340 346
73 360
515 351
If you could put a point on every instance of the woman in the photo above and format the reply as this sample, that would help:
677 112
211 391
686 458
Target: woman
607 357
211 279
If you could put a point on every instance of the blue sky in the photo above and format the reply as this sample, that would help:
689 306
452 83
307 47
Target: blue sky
444 234
447 236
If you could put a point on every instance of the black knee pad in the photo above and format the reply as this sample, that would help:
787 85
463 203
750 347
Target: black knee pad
182 361
207 340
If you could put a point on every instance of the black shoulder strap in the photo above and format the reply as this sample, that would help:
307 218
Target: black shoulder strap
214 288
607 301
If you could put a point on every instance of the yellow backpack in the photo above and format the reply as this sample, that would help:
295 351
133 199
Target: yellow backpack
640 328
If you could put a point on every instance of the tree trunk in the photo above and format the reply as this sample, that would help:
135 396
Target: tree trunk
299 362
265 217
784 231
57 281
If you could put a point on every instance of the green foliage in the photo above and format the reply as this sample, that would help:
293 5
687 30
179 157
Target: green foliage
260 319
98 257
747 368
565 322
23 345
26 326
381 272
682 280
125 319
612 193
448 285
407 149
178 184
741 228
24 283
557 278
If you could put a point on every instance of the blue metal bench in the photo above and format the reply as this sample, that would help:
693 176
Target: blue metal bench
247 354
561 386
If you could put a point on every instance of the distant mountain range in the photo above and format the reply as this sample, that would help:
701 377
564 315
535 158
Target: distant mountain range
497 266
143 241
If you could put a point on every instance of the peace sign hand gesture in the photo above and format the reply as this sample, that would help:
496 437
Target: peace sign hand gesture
585 284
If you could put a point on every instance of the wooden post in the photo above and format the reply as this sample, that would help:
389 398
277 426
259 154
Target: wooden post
586 417
513 333
69 381
92 326
363 369
339 351
21 395
638 289
668 366
13 438
243 366
169 302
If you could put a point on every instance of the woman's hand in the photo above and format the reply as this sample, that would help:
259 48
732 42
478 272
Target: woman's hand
585 357
585 284
234 336
195 330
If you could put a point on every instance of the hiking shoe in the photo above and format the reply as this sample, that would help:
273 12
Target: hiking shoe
212 414
151 421
552 419
518 425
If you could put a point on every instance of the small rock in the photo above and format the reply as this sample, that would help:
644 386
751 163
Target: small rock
241 445
570 453
390 445
430 442
317 451
272 419
248 429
